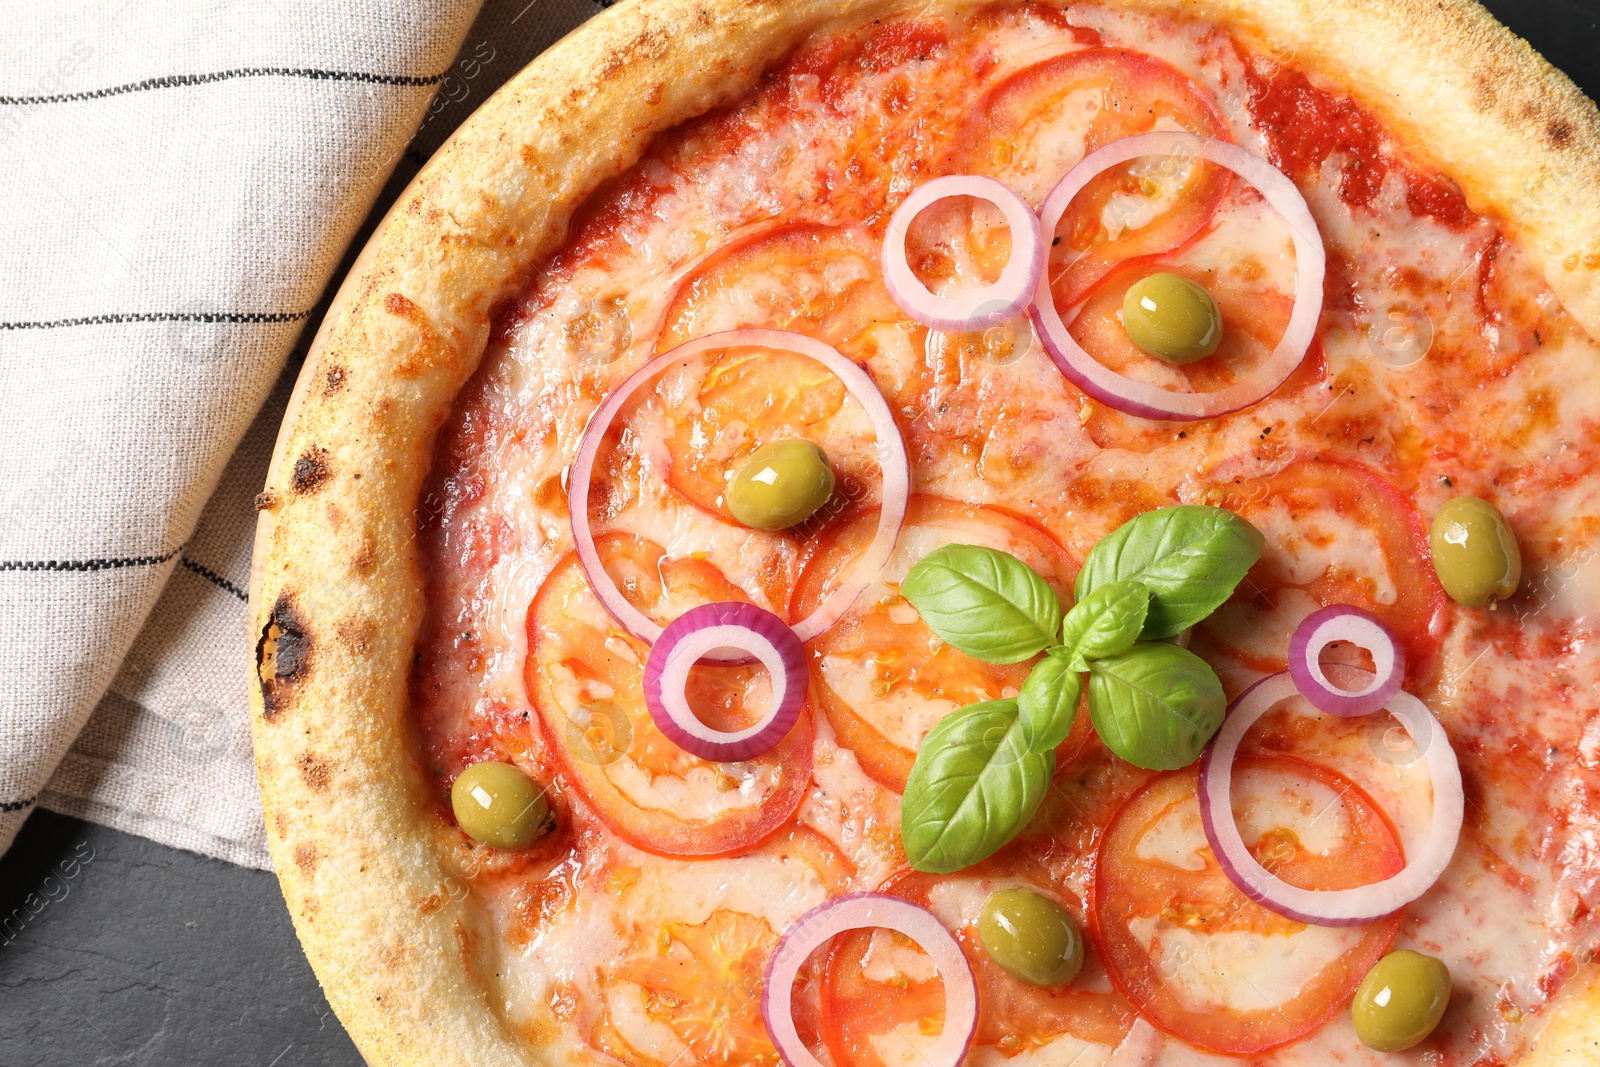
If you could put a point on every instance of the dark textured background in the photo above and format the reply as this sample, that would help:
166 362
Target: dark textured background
151 957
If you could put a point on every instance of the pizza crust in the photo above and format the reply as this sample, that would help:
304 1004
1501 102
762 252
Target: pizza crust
336 587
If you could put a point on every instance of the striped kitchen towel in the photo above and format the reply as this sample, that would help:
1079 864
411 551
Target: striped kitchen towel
180 184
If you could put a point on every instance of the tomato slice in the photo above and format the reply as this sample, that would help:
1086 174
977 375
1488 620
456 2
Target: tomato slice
1337 533
1252 322
879 674
1203 961
877 985
816 280
703 981
584 675
950 391
1245 261
800 843
698 937
1038 123
822 281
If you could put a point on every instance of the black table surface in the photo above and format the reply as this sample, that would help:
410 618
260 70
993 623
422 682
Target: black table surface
147 956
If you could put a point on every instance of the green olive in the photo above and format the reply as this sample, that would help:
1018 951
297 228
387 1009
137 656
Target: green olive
1171 318
1030 938
1475 552
498 805
781 485
1400 1000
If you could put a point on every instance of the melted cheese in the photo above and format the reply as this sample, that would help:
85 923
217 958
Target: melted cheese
700 791
776 889
891 962
1239 970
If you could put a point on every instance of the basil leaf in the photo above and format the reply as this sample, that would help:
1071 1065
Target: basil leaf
1049 700
986 603
1190 556
975 784
1156 705
1105 622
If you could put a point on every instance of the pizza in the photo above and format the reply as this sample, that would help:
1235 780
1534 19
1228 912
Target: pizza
869 534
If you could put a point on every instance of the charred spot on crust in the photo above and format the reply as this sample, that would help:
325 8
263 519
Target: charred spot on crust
356 633
332 380
394 303
365 559
1558 133
316 771
310 470
305 858
265 500
648 43
1483 91
282 655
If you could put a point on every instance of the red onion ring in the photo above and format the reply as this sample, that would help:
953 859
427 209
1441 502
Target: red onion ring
1346 622
974 309
1152 402
1329 907
891 457
690 638
862 911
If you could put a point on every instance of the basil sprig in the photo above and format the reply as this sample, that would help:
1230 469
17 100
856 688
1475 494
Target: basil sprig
989 604
1155 705
1048 701
976 789
983 769
1190 558
1104 622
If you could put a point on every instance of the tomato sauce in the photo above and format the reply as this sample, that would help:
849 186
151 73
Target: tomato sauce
1305 125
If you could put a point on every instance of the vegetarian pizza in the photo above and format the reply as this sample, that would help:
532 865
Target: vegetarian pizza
905 535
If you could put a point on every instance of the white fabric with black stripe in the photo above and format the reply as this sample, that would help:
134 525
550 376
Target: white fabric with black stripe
180 183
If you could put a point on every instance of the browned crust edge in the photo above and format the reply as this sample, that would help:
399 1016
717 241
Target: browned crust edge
336 592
